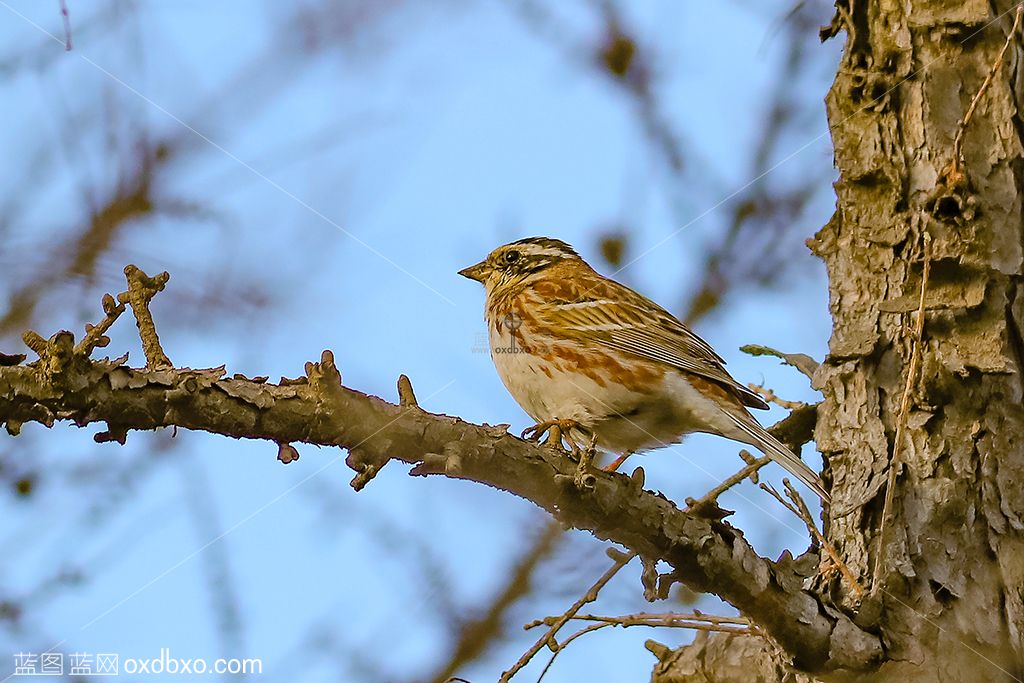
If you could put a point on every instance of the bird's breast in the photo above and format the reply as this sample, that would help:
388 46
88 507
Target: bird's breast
551 375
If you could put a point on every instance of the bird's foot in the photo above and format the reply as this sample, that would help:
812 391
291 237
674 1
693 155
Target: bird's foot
556 430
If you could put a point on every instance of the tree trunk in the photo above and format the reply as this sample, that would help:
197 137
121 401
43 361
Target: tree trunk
949 599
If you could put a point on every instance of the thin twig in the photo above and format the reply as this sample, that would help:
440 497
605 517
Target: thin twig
695 619
770 490
692 620
141 290
801 361
799 508
95 335
953 174
621 560
901 423
795 430
558 650
805 515
771 397
712 495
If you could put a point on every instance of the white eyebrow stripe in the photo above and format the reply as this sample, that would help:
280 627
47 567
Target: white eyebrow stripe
552 253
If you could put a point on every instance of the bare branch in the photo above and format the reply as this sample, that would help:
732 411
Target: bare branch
548 639
710 556
693 620
805 514
141 290
800 361
712 496
795 430
696 621
771 397
95 334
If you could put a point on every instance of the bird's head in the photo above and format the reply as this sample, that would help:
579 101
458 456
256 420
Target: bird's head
517 261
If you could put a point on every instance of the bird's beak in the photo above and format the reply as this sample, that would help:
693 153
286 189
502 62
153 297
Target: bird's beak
478 272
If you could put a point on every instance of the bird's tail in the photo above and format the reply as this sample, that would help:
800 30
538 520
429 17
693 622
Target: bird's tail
760 437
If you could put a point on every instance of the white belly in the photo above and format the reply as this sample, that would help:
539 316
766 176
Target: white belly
622 420
543 389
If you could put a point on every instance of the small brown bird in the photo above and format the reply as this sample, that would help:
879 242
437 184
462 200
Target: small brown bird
593 361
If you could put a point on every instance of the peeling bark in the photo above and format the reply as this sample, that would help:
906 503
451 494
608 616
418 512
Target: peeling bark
723 658
949 597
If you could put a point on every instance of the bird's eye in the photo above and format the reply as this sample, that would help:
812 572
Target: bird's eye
511 256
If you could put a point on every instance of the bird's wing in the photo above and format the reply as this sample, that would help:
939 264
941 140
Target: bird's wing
612 315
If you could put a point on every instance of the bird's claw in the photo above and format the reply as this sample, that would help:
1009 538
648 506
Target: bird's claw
556 430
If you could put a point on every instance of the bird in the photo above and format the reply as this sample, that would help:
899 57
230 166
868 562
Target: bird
591 360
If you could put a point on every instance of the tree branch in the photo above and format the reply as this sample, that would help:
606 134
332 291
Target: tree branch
710 556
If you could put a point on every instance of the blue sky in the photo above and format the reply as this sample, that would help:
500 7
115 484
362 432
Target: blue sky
349 188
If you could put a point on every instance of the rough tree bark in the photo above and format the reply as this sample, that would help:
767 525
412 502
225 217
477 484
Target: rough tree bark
948 599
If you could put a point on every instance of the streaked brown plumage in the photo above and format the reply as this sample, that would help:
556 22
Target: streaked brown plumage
606 362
